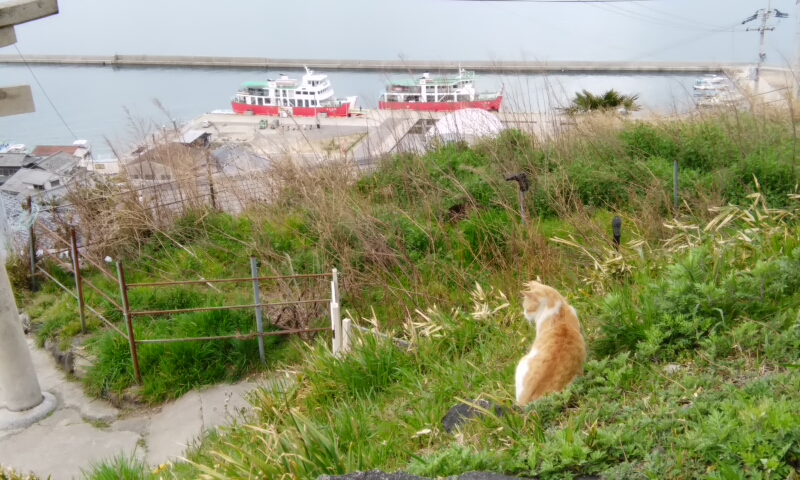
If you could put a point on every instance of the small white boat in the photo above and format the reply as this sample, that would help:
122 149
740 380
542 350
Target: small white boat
713 82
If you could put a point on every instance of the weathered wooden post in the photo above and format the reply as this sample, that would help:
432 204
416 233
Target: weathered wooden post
675 188
76 268
522 181
126 313
616 226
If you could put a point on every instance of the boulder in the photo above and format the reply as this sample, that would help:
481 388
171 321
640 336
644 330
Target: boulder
462 413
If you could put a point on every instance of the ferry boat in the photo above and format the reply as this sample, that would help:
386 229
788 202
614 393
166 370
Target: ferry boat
439 94
308 97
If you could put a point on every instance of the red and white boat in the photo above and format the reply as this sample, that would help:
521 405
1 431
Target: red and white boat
309 97
439 94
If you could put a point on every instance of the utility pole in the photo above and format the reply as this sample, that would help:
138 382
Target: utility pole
764 15
22 402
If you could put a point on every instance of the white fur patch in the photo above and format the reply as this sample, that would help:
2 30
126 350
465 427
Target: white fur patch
522 372
545 314
574 312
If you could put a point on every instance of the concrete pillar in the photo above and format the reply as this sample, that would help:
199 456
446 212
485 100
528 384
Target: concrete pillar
19 386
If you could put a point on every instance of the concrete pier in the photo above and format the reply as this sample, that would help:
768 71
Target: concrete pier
531 67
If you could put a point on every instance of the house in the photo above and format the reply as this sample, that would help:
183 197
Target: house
103 166
195 138
166 137
79 148
168 160
149 171
10 163
60 163
28 182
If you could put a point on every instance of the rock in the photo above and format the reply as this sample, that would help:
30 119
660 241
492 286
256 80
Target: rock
672 368
81 366
133 395
25 319
461 413
65 360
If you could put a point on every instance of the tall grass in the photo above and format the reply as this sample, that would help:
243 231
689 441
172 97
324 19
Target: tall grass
424 229
729 409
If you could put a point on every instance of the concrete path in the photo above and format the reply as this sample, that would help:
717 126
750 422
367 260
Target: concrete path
83 430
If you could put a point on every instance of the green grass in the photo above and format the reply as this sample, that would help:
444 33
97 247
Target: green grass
414 239
730 411
120 467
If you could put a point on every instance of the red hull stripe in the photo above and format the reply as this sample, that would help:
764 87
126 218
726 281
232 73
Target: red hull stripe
491 105
274 111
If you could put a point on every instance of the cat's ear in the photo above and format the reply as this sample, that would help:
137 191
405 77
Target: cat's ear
527 293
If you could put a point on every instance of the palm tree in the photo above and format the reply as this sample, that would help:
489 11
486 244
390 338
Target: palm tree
586 101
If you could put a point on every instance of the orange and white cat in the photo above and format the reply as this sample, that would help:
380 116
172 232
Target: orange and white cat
559 350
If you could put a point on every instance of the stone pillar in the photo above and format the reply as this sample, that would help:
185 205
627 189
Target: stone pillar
19 386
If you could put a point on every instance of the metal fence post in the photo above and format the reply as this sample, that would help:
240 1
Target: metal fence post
76 267
123 289
675 187
336 315
259 318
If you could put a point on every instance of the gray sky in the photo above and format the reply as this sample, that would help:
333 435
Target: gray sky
666 30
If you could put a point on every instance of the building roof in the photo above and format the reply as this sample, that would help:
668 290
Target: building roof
25 176
13 159
47 150
59 162
466 123
190 136
237 160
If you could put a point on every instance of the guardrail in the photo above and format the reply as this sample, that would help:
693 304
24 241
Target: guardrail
123 306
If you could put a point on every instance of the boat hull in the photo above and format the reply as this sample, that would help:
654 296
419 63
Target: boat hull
490 105
275 111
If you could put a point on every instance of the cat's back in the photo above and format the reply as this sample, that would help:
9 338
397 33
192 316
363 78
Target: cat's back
563 344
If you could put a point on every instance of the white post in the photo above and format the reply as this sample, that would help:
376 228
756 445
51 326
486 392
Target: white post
347 330
336 314
19 386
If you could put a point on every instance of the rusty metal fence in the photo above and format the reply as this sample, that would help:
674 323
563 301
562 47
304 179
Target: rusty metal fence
72 250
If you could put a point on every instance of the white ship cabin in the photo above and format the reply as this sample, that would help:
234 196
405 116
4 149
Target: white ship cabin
314 90
460 88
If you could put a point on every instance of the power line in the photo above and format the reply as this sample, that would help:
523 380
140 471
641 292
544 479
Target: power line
685 19
564 1
654 20
682 42
45 92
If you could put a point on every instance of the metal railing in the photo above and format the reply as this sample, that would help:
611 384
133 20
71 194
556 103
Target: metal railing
123 306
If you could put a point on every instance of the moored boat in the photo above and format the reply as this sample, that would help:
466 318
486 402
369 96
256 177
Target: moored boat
439 94
309 97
